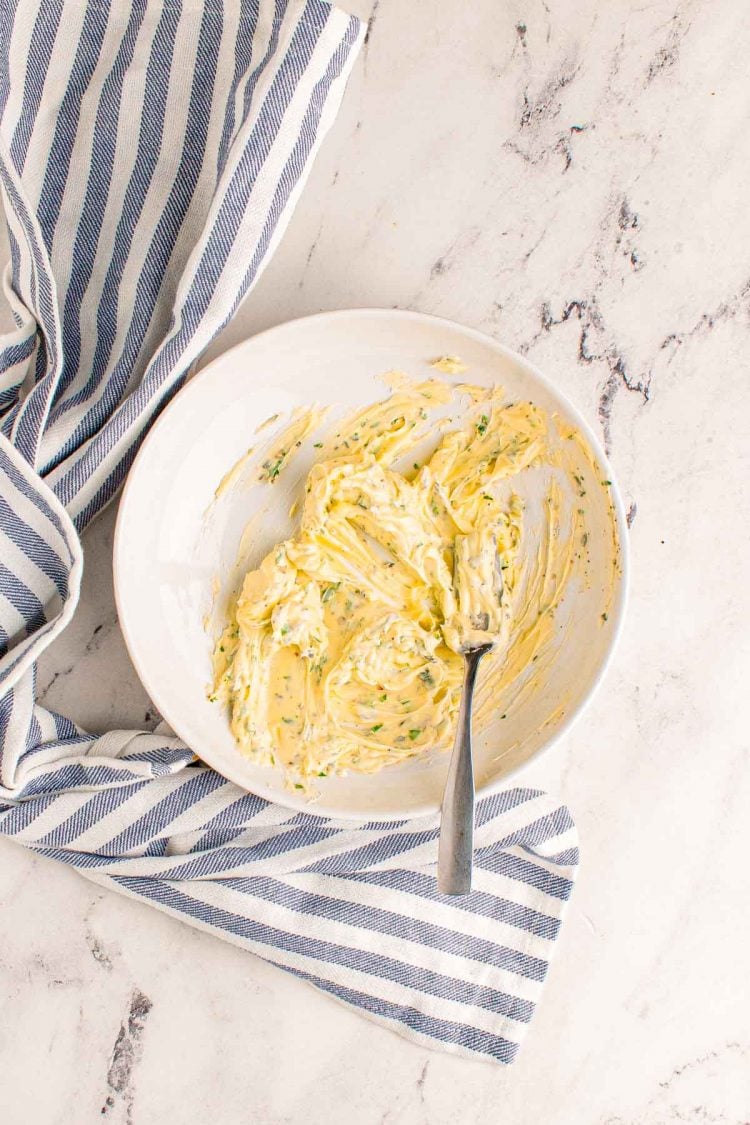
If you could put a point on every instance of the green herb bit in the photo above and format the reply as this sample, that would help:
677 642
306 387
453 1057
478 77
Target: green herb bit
298 786
318 445
607 482
285 720
329 592
415 733
383 698
483 423
284 630
427 677
322 774
605 617
376 728
273 468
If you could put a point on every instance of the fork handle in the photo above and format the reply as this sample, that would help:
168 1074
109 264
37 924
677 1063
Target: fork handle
456 847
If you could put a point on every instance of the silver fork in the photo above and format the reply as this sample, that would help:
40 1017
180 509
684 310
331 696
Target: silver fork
456 847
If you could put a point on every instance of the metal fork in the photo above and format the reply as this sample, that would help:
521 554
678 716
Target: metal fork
456 847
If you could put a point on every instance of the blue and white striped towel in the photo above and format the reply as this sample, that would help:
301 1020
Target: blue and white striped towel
151 155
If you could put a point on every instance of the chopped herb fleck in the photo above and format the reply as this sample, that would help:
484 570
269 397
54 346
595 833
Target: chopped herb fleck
329 592
415 733
483 423
273 468
427 677
376 728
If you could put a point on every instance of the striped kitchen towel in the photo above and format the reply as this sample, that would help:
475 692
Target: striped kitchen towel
150 156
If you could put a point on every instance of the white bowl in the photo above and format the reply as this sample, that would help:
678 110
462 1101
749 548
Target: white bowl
168 552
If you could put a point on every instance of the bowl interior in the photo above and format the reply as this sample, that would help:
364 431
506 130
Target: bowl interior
176 547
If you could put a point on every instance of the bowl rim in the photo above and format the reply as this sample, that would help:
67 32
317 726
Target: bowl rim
617 610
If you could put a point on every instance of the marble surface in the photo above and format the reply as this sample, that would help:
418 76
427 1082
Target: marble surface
572 179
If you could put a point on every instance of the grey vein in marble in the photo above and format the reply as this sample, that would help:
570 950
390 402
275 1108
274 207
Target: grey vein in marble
125 1054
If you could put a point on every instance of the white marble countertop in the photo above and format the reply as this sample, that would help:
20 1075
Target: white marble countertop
571 178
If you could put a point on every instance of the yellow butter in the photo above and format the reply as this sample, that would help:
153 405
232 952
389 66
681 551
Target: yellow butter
340 652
